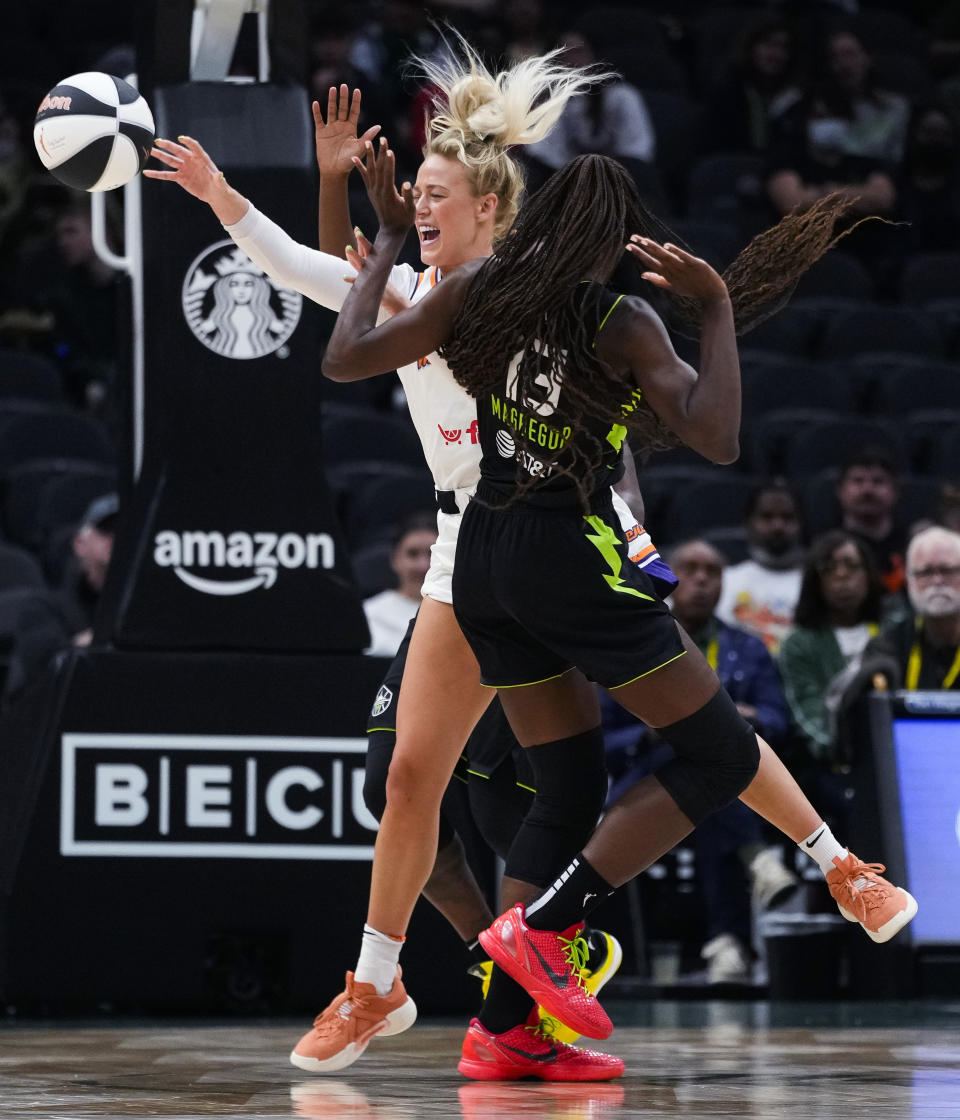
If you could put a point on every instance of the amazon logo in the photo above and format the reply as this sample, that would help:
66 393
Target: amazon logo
224 556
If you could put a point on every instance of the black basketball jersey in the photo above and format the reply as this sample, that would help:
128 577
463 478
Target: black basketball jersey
535 448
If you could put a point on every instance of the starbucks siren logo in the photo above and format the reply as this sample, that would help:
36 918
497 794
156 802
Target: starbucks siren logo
233 308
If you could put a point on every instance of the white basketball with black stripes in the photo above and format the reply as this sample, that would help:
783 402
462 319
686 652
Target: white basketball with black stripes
93 131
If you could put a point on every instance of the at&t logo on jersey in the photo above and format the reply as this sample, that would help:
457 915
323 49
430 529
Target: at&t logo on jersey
227 554
233 308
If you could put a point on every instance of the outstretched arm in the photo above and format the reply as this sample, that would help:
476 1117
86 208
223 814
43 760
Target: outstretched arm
322 277
702 408
337 143
195 171
357 347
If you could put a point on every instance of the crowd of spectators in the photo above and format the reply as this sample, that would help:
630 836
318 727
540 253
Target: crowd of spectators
727 115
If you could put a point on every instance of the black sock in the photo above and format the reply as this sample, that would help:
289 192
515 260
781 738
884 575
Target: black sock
597 944
577 892
476 953
507 1004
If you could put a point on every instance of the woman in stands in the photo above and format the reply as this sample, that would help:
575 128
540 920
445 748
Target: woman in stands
562 368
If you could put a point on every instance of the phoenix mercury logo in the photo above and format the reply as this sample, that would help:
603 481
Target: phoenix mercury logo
261 554
233 308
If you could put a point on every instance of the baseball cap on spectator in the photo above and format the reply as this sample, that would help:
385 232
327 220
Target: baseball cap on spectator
101 513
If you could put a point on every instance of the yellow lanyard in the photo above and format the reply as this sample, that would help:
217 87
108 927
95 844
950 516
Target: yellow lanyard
713 647
916 661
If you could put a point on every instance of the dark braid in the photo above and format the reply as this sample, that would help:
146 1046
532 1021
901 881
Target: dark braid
526 299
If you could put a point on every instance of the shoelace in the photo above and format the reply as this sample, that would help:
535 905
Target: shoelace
872 893
327 1023
577 953
543 1030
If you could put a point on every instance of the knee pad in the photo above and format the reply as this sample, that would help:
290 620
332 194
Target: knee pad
717 758
570 776
380 746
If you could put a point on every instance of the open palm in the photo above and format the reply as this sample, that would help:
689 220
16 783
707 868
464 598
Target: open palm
336 136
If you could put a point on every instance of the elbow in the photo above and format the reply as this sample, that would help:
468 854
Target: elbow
725 451
333 368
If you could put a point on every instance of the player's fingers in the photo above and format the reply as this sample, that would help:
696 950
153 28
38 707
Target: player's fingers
354 113
151 174
331 104
166 157
343 105
639 251
656 278
371 132
171 146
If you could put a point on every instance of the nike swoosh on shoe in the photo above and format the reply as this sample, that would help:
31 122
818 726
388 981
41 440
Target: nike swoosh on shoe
558 980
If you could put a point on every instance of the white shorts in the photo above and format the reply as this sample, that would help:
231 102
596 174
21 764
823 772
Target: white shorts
438 582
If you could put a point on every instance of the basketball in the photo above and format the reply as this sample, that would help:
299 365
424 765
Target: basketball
93 131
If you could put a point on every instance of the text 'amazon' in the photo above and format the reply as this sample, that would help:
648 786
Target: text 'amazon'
260 554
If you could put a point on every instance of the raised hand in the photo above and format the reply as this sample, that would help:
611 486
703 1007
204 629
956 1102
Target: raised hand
395 210
336 137
669 266
393 299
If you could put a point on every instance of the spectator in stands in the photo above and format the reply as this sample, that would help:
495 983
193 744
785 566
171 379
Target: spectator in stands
922 652
389 612
759 594
758 86
730 850
84 301
868 490
844 134
92 547
928 183
38 623
612 120
837 614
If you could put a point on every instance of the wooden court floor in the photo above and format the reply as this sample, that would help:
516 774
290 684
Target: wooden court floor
802 1062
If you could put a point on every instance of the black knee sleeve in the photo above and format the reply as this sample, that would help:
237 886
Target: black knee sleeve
498 805
570 776
380 746
717 757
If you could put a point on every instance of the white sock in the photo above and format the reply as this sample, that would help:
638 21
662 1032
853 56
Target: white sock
379 957
822 846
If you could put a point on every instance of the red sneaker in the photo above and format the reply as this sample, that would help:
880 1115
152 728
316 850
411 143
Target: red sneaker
529 1051
549 965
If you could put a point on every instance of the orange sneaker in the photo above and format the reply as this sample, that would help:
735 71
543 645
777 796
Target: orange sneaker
340 1033
864 896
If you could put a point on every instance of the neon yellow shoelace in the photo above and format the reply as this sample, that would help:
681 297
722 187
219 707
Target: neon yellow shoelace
577 953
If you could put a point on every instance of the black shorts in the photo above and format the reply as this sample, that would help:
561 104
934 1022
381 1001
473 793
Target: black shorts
491 742
539 591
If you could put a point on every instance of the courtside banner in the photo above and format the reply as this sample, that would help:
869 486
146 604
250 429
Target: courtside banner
214 796
229 541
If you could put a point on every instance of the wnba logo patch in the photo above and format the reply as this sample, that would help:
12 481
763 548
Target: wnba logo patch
233 308
383 700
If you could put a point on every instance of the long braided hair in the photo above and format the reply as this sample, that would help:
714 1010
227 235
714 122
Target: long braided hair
528 298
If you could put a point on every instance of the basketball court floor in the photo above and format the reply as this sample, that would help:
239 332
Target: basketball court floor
684 1058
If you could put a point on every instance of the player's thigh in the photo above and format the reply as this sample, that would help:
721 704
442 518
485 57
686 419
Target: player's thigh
441 697
673 692
554 709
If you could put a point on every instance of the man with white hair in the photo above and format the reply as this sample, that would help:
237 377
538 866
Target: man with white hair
923 652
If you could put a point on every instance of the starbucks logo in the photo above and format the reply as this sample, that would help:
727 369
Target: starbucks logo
233 308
